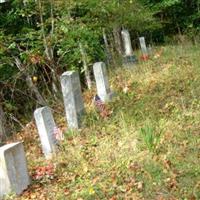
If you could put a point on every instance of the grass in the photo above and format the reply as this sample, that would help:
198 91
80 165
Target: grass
147 149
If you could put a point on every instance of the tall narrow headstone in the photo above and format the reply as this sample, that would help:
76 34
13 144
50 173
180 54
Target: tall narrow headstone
73 101
128 50
143 46
13 169
129 57
46 125
102 84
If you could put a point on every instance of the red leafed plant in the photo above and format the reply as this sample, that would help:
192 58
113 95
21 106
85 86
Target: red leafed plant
44 172
144 57
101 107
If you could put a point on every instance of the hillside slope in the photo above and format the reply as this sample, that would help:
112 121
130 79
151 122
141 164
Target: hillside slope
147 148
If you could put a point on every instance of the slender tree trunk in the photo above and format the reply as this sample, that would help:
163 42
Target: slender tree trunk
86 70
117 39
30 83
108 54
35 90
2 122
112 47
48 48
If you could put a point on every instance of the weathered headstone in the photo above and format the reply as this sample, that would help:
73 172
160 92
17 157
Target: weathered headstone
102 84
13 169
128 50
129 57
3 1
45 125
73 101
143 46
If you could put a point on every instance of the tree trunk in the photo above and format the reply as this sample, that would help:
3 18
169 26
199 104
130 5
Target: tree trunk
117 39
86 70
108 54
35 90
48 47
30 83
2 122
112 50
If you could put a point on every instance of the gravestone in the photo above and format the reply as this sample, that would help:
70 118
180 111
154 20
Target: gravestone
73 101
3 1
45 125
13 169
143 46
129 57
102 84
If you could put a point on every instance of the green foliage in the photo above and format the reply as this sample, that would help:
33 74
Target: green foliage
151 136
177 16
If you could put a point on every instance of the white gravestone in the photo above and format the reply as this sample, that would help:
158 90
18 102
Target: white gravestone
102 84
128 50
13 169
73 101
46 125
129 57
143 46
3 1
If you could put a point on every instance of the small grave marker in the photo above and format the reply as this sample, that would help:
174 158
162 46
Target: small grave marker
73 101
46 125
13 169
143 46
102 84
129 57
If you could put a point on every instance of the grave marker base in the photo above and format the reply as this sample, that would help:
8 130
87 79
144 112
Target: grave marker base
129 61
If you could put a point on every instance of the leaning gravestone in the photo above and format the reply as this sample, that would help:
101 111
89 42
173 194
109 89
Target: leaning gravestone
143 46
13 169
129 57
46 125
102 84
73 101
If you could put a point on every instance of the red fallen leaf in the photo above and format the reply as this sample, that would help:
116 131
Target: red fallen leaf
101 107
66 191
113 198
144 57
43 171
105 114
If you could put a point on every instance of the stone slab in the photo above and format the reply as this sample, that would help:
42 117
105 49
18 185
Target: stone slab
128 50
143 46
73 101
102 84
13 169
45 124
